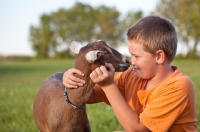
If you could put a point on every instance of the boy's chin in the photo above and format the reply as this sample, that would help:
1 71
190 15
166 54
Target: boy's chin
140 75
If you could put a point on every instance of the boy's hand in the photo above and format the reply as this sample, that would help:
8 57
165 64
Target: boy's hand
70 81
102 76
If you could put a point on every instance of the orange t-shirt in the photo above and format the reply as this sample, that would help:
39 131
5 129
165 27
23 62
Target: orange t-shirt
168 106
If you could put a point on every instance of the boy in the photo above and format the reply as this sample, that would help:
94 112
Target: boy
153 95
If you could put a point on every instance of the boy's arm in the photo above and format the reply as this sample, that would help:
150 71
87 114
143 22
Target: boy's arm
127 117
70 81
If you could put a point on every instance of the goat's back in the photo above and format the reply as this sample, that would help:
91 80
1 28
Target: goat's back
51 111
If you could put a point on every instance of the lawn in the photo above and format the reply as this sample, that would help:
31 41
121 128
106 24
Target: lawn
20 81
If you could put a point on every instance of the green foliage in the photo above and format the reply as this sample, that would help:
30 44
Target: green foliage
131 18
82 22
185 15
41 37
20 81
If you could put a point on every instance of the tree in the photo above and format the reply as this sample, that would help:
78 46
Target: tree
81 22
185 15
131 18
41 37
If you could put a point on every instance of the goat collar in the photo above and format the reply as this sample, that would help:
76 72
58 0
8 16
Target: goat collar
70 103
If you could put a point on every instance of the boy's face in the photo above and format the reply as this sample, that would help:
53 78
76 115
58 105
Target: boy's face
144 63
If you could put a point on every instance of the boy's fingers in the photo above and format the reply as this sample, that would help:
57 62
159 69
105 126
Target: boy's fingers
98 71
71 81
76 80
110 66
76 71
72 84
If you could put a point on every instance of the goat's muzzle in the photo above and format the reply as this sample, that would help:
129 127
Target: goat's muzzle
123 67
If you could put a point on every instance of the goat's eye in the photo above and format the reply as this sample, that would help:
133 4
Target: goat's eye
98 54
105 52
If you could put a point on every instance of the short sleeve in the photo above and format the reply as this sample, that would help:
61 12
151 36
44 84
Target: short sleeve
162 111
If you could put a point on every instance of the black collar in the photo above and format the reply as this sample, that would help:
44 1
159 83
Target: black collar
70 103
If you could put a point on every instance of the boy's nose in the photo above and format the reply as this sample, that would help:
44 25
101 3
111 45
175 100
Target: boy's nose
132 62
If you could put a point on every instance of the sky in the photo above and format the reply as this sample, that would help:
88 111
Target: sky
17 16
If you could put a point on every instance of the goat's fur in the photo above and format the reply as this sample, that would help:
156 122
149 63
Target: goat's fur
51 111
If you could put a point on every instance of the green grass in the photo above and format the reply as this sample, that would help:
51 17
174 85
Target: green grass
20 81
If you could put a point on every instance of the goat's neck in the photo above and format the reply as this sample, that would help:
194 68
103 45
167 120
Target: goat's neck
79 96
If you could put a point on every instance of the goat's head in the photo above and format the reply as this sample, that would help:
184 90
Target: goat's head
98 53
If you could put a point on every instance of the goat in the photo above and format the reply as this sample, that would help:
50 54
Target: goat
55 112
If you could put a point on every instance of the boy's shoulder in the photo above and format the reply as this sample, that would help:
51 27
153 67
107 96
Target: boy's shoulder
180 78
176 82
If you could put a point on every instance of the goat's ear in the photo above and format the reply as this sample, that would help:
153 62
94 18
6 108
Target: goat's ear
75 46
91 56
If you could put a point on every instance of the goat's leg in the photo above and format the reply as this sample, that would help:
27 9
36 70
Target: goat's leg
87 129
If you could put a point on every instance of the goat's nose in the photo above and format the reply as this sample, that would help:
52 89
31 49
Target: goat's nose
127 61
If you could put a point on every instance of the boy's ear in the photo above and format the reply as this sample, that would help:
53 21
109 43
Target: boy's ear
160 56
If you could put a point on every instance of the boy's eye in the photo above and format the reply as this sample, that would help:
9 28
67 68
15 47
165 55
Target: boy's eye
134 56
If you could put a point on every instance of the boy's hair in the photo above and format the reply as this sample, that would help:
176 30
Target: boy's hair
155 33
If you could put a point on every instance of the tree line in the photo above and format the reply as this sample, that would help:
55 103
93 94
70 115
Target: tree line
185 16
82 22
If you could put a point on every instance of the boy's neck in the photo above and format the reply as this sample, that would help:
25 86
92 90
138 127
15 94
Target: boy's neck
160 76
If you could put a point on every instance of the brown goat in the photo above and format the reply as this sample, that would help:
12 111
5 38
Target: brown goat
55 112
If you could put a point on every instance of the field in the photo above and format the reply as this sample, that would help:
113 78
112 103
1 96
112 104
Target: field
20 81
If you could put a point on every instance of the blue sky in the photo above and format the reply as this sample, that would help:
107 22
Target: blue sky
17 16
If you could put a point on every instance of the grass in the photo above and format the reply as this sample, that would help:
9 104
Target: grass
20 81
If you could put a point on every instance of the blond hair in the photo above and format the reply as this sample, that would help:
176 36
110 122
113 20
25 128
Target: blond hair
155 33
